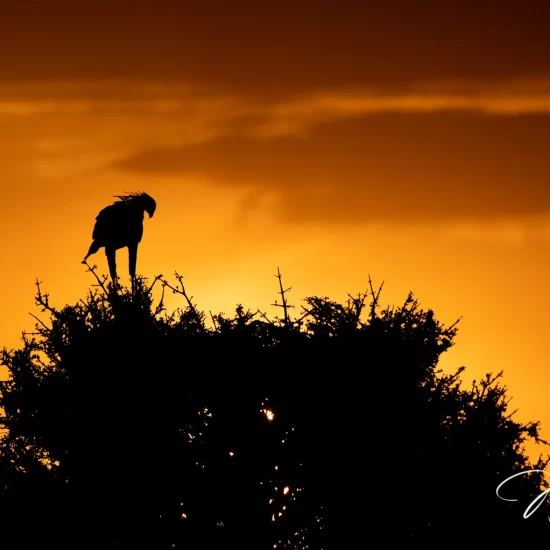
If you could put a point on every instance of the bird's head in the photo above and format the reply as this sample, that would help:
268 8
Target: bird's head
139 200
149 204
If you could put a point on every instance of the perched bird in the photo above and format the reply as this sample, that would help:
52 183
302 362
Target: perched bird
120 225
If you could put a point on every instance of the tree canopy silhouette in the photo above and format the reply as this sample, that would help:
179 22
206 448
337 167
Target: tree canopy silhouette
121 225
128 427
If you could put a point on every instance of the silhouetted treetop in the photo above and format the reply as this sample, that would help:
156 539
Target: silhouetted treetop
316 429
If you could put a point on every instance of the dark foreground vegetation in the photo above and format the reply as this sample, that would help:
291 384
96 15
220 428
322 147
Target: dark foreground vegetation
128 427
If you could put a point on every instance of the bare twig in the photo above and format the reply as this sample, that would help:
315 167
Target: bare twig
178 291
41 322
375 297
213 320
43 299
157 278
307 312
184 294
358 305
284 305
455 323
101 283
160 306
264 316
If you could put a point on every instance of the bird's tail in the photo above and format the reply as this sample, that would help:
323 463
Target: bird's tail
94 247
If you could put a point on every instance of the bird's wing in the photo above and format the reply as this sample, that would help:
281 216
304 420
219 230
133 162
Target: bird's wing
118 225
105 223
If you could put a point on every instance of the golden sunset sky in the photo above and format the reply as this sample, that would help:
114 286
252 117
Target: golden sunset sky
405 140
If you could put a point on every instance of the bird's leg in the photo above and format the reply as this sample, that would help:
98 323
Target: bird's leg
132 260
111 259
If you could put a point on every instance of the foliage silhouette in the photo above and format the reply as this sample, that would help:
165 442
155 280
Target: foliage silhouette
128 427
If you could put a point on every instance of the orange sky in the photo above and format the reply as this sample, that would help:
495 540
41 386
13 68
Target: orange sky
332 140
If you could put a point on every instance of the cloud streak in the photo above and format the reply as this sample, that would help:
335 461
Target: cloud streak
436 150
387 167
511 98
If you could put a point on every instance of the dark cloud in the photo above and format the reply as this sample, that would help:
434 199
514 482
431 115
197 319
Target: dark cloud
389 167
275 47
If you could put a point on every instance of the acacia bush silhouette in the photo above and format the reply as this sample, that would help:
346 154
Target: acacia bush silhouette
128 427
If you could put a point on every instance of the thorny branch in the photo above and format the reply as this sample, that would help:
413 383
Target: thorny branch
184 294
101 282
284 305
375 298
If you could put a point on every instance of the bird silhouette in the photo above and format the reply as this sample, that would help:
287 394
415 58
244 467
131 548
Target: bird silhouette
121 225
